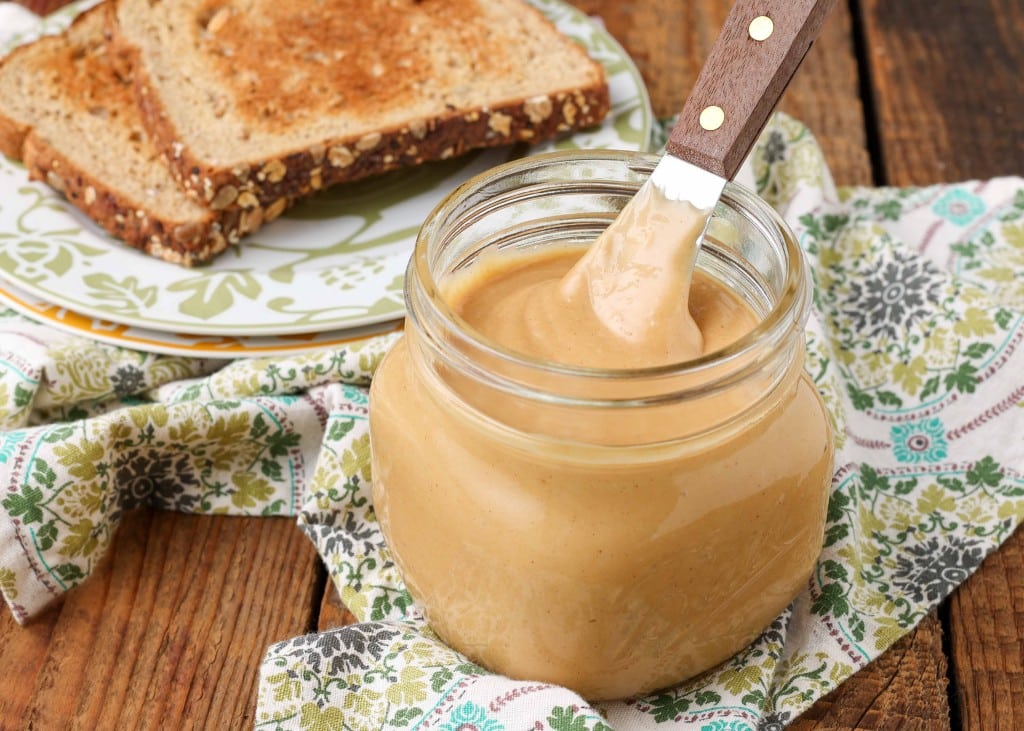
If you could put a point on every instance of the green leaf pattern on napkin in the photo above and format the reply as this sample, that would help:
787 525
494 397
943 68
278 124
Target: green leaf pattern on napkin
915 345
94 431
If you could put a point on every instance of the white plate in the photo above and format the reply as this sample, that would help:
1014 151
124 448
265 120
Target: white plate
335 261
168 343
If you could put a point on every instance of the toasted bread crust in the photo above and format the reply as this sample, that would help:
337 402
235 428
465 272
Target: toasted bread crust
264 182
12 136
187 243
188 239
13 131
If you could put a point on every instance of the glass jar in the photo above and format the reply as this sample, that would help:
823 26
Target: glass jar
648 523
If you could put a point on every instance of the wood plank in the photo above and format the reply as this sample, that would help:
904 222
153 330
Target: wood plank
946 79
946 82
333 613
825 95
170 630
22 656
986 631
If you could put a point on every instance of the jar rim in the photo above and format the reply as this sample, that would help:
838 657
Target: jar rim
788 311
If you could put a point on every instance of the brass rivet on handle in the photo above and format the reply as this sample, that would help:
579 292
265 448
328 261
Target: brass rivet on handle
711 118
761 28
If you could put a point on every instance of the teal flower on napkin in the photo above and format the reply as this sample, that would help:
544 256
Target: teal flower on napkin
959 207
470 717
919 441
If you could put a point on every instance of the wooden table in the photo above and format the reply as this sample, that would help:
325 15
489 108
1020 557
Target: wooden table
170 630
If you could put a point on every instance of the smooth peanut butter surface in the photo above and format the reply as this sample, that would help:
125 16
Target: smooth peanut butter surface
614 551
624 304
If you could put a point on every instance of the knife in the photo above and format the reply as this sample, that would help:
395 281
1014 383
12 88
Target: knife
759 49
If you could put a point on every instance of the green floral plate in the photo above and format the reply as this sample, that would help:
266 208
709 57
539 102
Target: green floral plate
334 262
192 346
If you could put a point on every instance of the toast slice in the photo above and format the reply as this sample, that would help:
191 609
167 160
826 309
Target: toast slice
74 123
260 101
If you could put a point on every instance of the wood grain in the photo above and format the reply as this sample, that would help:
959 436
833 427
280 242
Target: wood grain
947 83
825 95
169 632
333 613
986 627
22 656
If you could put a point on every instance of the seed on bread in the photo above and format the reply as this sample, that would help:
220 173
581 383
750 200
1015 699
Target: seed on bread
538 108
275 209
251 220
247 200
500 123
186 233
219 19
418 128
340 156
273 172
368 142
55 181
227 195
569 112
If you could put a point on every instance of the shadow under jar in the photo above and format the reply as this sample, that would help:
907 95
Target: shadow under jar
611 531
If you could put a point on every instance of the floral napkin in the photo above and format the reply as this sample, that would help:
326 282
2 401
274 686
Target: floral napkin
915 344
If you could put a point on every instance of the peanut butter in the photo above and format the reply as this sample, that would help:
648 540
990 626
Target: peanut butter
614 550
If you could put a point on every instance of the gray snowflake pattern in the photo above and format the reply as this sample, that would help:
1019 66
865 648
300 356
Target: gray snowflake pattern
775 148
893 296
127 380
929 571
151 477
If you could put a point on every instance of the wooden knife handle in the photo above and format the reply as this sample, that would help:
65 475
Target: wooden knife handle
749 67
